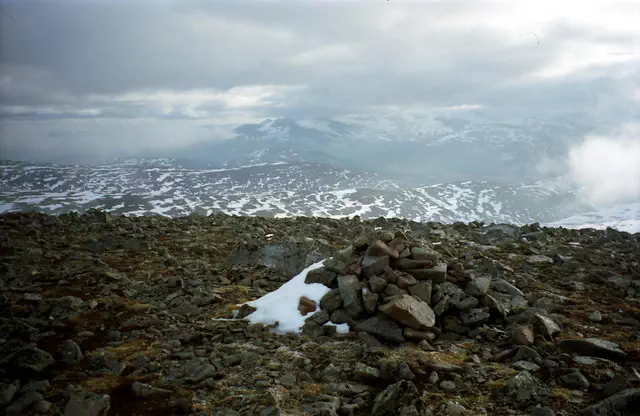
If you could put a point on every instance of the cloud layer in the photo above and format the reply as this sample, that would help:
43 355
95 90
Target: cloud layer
194 63
608 168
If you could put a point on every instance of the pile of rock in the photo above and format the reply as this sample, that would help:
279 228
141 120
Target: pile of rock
396 290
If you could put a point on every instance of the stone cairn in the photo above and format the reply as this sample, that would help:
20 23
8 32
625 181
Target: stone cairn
396 290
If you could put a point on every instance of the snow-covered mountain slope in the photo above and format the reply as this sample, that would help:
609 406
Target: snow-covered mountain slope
447 146
279 189
624 217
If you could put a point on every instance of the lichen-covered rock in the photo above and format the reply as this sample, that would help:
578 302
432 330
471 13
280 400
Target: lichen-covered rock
395 396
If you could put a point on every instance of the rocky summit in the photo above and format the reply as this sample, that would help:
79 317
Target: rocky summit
115 315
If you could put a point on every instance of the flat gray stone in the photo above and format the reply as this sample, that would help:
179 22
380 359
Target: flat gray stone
594 347
478 287
382 327
372 266
422 290
410 312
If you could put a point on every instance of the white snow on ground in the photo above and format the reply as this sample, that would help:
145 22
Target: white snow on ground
282 305
624 217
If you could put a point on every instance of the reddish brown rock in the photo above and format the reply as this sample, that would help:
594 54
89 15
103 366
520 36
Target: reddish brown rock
306 305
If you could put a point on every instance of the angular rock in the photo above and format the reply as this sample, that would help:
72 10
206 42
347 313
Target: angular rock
87 404
321 275
451 323
467 303
542 411
405 281
478 287
475 317
146 390
424 253
349 287
522 335
594 347
30 360
527 353
410 311
502 286
347 389
448 385
546 326
405 373
395 396
616 384
625 402
575 380
379 249
382 327
321 317
71 353
306 305
23 403
415 335
370 300
322 404
372 266
7 392
393 290
331 301
370 340
422 290
525 388
336 265
340 317
404 264
526 365
595 316
537 259
377 284
364 372
437 273
518 304
499 302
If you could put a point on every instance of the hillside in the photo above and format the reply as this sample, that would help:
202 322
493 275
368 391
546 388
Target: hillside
275 190
142 315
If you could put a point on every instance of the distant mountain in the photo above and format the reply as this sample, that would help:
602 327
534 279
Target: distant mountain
435 147
274 189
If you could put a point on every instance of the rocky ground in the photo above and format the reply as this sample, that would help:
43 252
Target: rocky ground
138 316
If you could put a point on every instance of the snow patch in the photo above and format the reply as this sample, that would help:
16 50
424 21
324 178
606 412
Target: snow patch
282 305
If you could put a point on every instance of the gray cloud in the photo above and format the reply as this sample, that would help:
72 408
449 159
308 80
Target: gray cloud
194 63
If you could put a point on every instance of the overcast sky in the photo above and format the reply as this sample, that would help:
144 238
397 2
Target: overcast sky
88 75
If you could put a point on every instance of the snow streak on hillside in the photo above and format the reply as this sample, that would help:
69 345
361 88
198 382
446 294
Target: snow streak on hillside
277 189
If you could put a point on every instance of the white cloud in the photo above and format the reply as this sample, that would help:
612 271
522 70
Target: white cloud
607 168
